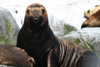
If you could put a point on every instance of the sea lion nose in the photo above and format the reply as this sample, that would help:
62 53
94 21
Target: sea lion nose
84 25
35 12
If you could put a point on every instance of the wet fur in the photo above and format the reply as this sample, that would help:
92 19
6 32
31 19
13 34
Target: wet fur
45 47
14 56
90 12
93 21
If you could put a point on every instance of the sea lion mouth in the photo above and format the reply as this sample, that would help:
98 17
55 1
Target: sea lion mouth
35 22
36 19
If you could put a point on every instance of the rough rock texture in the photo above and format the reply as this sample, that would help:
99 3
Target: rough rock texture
5 66
88 37
8 28
59 27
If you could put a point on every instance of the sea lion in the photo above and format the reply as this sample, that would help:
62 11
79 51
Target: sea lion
90 12
37 38
14 56
93 21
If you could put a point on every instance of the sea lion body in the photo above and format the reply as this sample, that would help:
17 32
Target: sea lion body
38 40
14 56
93 21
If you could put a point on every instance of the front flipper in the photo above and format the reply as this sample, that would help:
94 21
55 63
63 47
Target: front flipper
88 59
52 60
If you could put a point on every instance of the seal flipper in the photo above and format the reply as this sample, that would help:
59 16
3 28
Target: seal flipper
88 59
52 60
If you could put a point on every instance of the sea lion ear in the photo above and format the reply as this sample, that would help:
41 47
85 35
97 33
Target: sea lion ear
31 60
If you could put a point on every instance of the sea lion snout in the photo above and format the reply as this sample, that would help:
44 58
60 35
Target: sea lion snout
35 13
84 25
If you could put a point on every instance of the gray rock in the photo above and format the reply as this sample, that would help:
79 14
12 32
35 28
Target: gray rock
59 27
88 37
8 28
5 66
56 25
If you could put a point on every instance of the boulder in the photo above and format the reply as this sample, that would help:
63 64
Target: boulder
59 27
88 37
8 28
5 66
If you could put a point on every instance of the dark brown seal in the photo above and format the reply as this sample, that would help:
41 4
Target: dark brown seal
14 56
93 21
38 40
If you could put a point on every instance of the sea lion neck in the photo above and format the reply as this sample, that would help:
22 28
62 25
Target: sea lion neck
43 26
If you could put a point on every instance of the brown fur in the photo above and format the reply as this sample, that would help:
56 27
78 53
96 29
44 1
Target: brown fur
93 21
30 10
90 12
14 56
38 40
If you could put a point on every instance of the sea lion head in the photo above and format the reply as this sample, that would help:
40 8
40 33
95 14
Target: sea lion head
36 15
90 12
93 21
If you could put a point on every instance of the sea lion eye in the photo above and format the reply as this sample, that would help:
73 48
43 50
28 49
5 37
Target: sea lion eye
28 11
43 11
88 11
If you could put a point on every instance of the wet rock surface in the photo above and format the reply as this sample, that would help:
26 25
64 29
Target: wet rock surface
8 28
88 37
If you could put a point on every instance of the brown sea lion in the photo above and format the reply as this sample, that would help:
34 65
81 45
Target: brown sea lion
38 40
90 12
14 56
93 21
